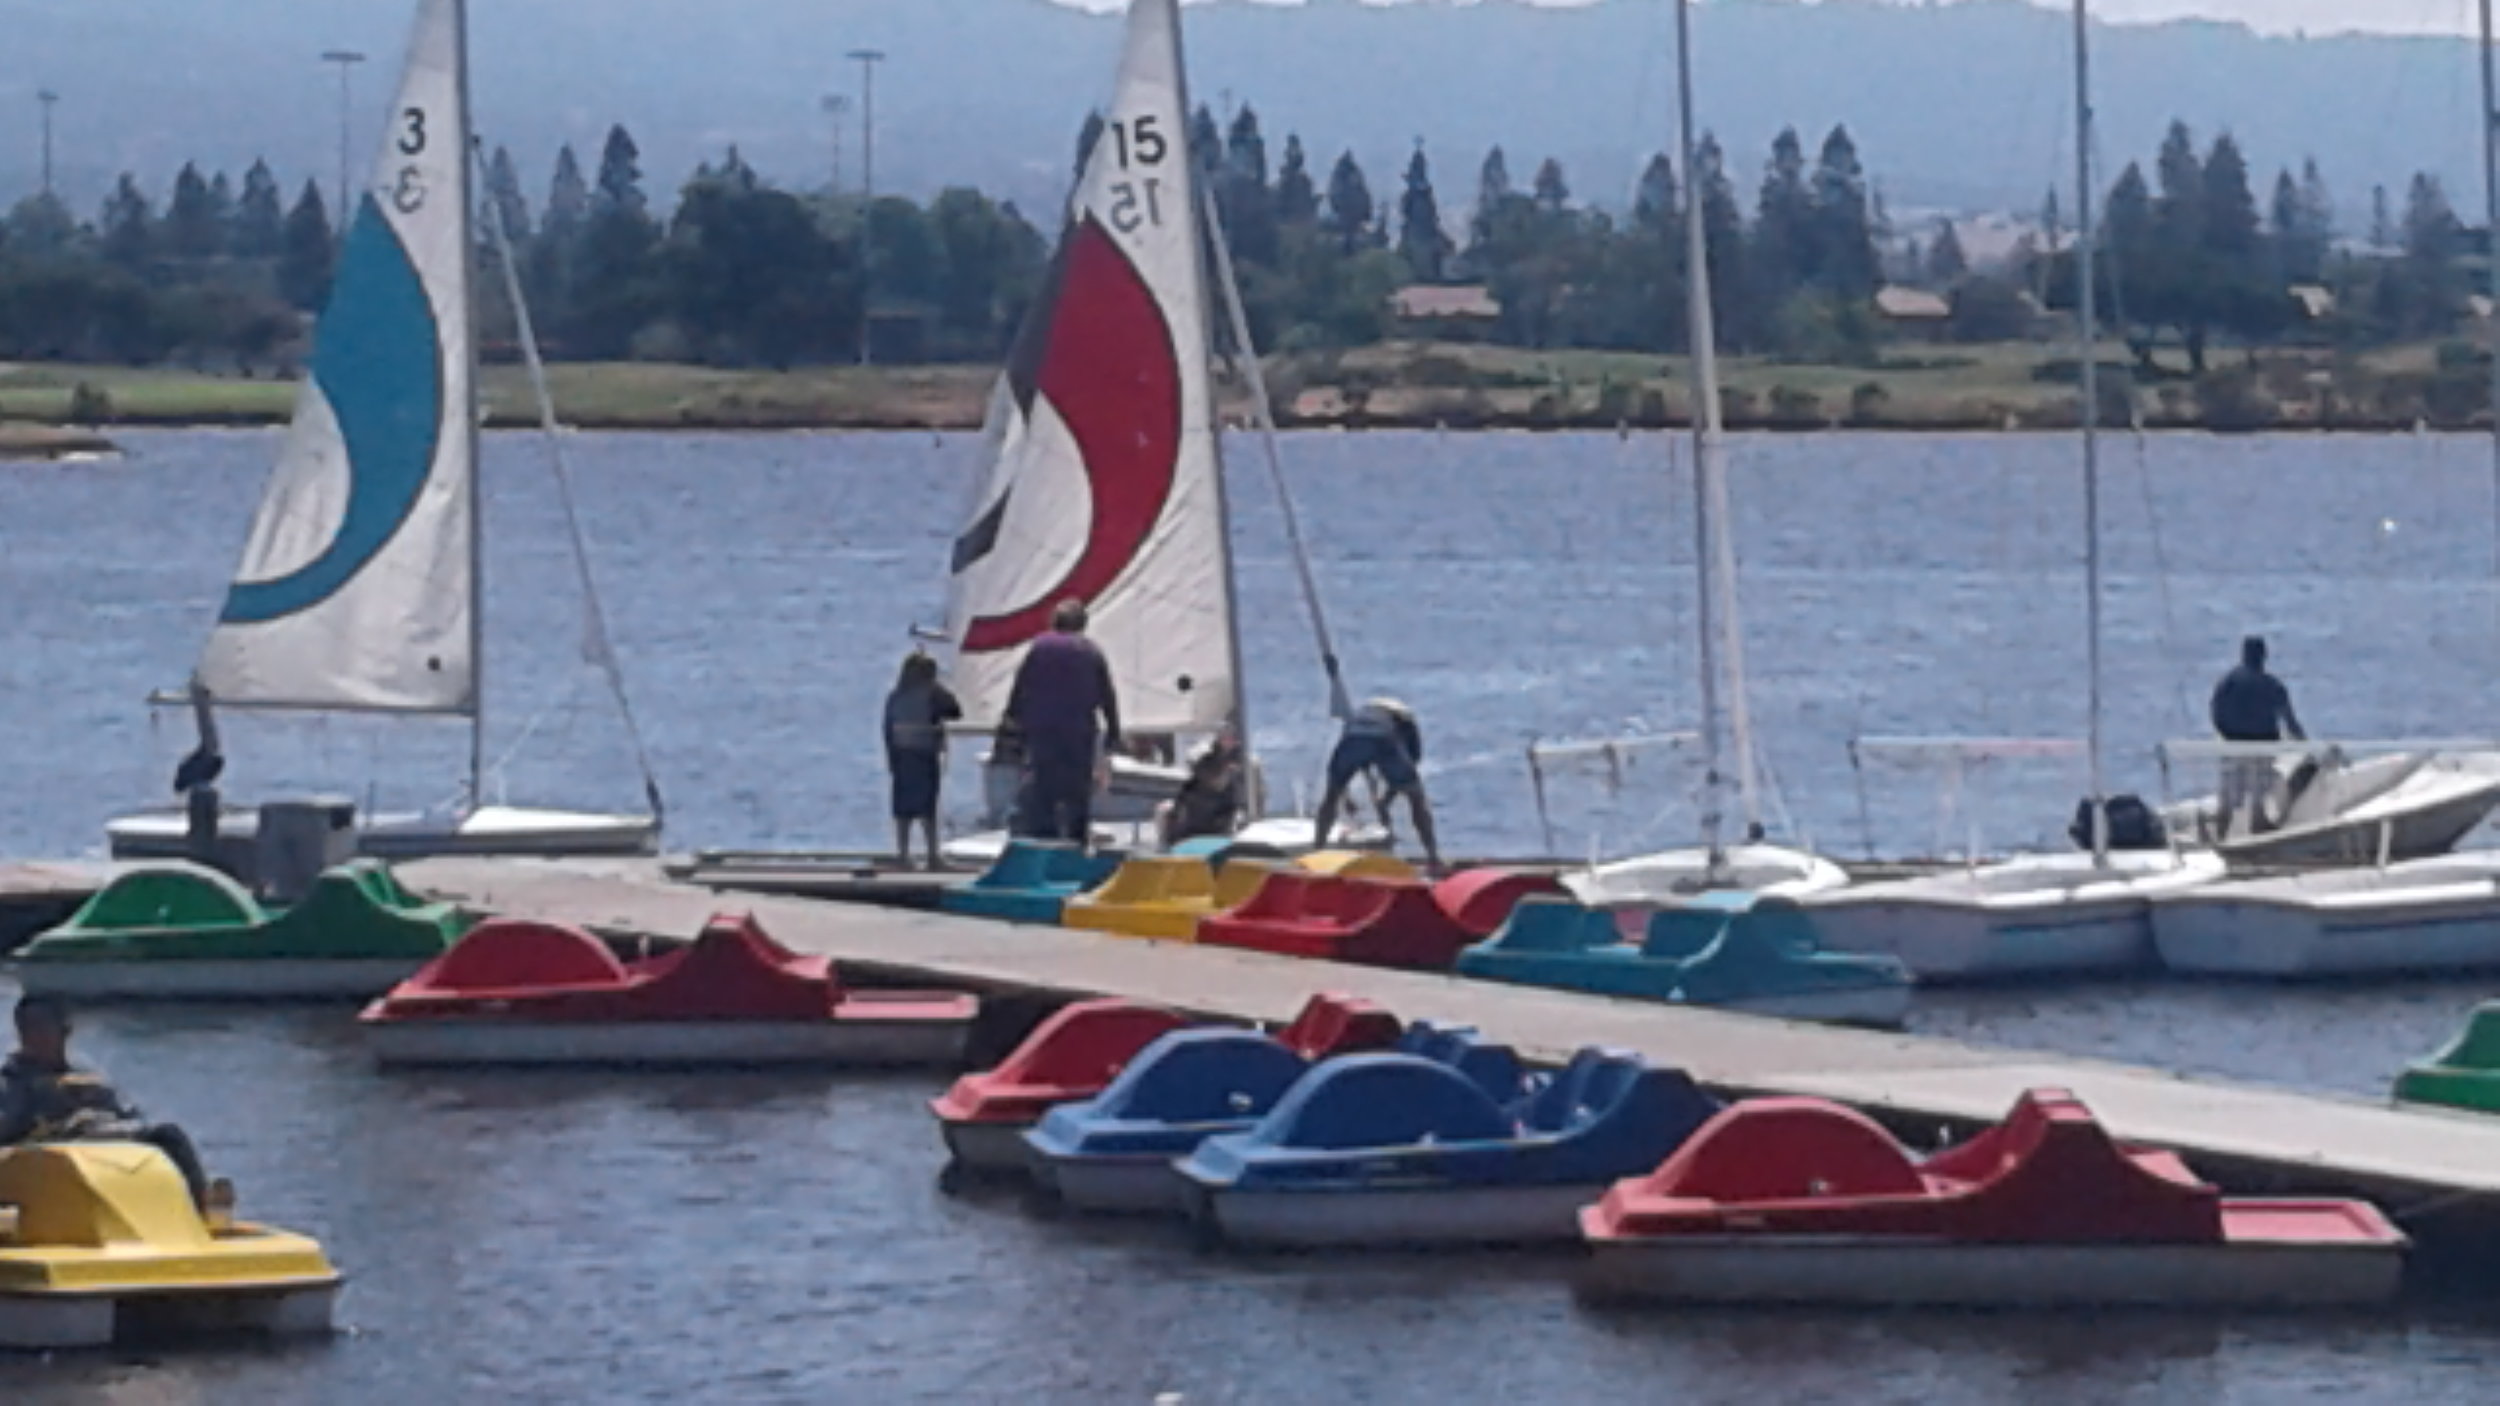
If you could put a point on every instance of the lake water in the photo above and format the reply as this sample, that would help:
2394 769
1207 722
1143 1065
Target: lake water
552 1238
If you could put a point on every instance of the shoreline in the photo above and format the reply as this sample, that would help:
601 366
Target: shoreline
49 410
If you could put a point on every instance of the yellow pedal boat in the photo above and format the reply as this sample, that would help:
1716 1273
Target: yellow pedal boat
101 1238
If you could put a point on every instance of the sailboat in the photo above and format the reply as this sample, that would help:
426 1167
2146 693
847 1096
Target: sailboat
1105 479
2088 911
360 589
1753 866
2437 913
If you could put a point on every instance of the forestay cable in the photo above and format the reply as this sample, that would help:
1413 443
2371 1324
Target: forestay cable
597 647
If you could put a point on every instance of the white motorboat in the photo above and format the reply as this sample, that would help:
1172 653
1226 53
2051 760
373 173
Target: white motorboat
2021 917
2330 805
361 587
2426 915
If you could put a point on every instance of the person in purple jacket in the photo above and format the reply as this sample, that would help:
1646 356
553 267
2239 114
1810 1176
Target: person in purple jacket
1065 709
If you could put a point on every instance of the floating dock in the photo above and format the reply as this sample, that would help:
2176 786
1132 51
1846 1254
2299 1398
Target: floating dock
2438 1173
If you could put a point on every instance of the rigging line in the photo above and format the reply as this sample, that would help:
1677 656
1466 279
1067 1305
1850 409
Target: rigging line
594 616
1245 359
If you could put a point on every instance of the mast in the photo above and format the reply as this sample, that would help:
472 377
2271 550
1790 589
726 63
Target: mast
1703 336
2491 228
1199 251
468 422
2086 290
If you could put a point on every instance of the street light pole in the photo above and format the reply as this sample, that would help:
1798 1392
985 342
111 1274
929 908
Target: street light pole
836 107
868 60
345 60
47 97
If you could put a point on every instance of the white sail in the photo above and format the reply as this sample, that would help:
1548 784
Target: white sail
358 586
1103 471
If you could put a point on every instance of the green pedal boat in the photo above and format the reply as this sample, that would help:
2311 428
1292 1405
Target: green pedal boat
179 931
2466 1074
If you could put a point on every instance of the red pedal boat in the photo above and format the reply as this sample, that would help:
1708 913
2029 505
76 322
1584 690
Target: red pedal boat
1799 1201
1078 1052
515 992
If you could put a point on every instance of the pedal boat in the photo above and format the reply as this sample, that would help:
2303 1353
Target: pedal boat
1113 1153
1078 1052
527 993
1799 1201
178 931
1396 1150
100 1241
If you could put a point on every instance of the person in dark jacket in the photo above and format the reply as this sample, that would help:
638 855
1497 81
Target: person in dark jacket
916 715
2251 705
1065 710
1382 738
44 1097
1210 801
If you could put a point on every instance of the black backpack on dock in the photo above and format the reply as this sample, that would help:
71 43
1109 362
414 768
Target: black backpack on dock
2132 824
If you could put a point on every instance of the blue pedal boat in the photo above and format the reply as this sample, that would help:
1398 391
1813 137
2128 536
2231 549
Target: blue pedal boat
1718 950
1389 1149
1113 1152
1031 882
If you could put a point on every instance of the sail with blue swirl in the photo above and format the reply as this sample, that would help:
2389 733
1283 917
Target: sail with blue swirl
358 589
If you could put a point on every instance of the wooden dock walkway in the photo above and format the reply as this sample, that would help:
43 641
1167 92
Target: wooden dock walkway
2438 1172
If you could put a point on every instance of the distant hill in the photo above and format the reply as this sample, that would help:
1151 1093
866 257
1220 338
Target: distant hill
1958 106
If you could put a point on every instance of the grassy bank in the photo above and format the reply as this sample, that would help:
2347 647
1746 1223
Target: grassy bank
1999 387
26 441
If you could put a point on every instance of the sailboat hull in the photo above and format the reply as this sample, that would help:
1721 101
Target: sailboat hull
2038 916
2431 915
488 830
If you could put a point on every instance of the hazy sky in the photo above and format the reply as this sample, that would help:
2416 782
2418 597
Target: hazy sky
2269 16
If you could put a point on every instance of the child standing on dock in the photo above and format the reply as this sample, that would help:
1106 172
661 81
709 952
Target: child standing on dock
916 715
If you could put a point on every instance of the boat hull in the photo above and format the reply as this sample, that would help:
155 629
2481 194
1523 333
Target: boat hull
1421 1217
70 1321
268 979
987 1147
1945 942
2433 916
1843 1270
1674 875
488 830
2041 916
1145 1185
667 1042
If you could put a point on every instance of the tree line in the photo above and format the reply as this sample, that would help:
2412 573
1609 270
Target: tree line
740 272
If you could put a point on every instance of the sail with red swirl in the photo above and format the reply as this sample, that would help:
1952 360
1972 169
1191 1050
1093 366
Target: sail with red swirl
1103 477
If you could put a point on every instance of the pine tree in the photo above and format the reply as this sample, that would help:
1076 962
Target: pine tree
1297 202
503 187
1249 208
1245 150
2433 237
2134 253
2317 202
1723 229
1553 193
192 227
620 176
1349 203
1656 204
1422 242
1843 245
2382 221
1492 192
259 215
568 198
308 250
1946 263
128 226
2299 248
1206 141
1783 254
